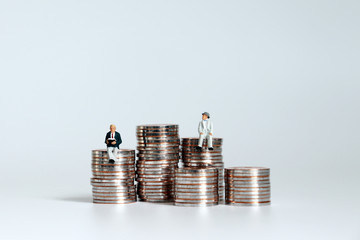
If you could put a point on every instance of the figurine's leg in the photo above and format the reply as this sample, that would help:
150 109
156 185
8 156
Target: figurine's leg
115 152
200 143
110 153
209 141
201 140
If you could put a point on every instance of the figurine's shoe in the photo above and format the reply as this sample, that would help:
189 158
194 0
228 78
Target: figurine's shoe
198 148
111 161
211 148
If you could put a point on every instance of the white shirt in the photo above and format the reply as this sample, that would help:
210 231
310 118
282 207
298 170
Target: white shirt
112 135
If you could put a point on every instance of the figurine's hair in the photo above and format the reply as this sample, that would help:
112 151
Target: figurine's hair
112 125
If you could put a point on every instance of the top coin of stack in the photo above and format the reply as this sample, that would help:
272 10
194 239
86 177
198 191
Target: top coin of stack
158 157
191 157
247 186
113 183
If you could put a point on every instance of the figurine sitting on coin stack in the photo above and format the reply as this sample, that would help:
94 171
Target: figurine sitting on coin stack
112 140
205 131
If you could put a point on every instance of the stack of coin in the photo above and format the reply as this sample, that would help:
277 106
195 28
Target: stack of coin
158 158
247 186
191 157
113 182
196 186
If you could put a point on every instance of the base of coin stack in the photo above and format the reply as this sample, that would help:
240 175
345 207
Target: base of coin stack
191 157
158 158
113 183
247 186
196 186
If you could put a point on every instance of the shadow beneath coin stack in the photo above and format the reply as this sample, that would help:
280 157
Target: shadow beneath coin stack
82 199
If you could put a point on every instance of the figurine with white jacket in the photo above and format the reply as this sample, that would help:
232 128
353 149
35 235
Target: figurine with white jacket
205 131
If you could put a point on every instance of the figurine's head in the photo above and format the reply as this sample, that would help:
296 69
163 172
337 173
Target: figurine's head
205 115
112 128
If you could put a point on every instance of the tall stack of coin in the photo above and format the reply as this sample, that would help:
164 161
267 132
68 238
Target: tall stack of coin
247 186
113 182
158 157
196 186
191 157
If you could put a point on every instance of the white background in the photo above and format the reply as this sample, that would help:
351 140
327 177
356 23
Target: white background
279 78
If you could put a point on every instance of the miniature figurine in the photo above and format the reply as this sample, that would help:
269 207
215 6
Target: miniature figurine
205 131
112 140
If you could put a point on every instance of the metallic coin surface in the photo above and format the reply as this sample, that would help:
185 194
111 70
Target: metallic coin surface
192 157
157 158
113 183
196 186
247 186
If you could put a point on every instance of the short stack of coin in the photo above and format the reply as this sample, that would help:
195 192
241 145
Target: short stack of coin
113 182
191 157
196 186
158 158
247 186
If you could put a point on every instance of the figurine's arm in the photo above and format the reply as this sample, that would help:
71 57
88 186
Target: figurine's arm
200 128
106 141
119 141
211 128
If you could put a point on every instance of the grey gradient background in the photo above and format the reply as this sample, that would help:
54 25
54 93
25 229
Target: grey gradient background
280 79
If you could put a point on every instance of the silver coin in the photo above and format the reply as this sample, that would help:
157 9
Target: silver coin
196 140
159 159
153 183
204 149
240 170
110 165
157 146
195 190
245 195
195 204
140 130
197 170
234 186
120 152
250 201
157 134
114 202
160 152
157 155
248 204
152 171
114 196
143 190
114 199
159 137
155 170
148 189
157 142
158 126
194 201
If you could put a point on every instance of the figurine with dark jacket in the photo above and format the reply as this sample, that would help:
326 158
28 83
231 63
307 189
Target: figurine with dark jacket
112 140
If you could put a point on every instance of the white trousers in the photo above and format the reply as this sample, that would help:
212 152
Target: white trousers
208 137
112 152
